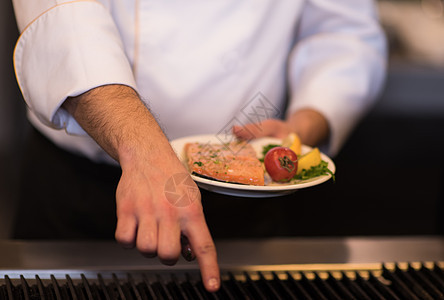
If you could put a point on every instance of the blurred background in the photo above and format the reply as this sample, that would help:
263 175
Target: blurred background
13 124
390 173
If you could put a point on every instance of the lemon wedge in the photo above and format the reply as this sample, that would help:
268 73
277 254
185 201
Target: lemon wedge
308 160
293 142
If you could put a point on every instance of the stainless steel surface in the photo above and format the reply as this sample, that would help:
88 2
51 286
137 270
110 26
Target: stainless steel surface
106 255
320 268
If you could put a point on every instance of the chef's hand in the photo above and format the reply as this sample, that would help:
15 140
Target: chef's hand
155 207
310 125
148 217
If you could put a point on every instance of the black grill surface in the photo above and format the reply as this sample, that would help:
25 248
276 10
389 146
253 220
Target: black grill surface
390 281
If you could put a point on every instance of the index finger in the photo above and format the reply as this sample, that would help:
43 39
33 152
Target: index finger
203 247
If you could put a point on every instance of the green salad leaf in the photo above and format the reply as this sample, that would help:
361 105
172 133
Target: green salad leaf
267 148
319 170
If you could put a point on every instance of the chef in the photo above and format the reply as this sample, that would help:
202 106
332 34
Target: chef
109 82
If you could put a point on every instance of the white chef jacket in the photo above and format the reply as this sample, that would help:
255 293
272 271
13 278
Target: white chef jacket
200 66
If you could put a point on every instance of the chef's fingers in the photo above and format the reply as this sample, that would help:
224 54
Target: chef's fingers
168 248
126 230
270 127
147 237
242 132
203 246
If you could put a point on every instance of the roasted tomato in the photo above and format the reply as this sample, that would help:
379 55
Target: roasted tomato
281 164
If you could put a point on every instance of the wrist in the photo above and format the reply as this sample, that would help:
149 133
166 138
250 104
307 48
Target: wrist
311 126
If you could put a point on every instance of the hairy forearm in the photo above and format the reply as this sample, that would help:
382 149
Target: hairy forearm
115 117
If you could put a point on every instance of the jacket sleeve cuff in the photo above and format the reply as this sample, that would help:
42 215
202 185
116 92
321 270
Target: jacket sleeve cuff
343 81
68 50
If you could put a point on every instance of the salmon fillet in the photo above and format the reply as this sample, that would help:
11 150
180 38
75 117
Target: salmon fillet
234 162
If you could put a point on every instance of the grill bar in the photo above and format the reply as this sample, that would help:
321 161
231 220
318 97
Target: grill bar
9 288
362 288
325 286
297 287
312 287
282 288
435 276
392 281
339 286
414 284
425 282
87 287
40 287
235 287
192 289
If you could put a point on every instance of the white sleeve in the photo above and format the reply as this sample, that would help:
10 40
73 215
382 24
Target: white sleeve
338 63
65 49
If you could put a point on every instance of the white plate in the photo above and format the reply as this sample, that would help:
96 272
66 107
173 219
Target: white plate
248 190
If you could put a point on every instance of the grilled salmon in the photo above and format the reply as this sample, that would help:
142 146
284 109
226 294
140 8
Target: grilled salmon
234 162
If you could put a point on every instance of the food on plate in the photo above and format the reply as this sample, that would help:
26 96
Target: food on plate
308 160
293 142
310 164
234 162
315 171
238 162
281 163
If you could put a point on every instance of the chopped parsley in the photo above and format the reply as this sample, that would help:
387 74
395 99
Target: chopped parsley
319 170
199 163
267 148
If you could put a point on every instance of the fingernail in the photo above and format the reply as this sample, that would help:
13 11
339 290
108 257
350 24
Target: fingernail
213 283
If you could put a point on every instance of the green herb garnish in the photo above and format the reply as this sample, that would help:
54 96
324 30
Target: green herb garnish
267 148
319 170
199 163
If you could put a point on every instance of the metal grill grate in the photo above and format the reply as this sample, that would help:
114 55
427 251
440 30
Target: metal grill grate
391 281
